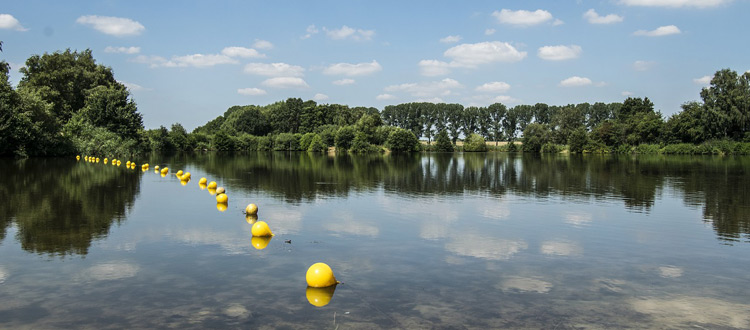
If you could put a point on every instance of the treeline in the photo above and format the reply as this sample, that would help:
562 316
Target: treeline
65 103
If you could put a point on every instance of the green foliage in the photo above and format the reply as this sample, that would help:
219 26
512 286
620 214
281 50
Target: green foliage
317 145
578 140
443 142
305 140
401 140
381 134
159 139
552 148
222 142
109 107
344 137
360 144
475 143
534 136
92 140
512 147
264 143
327 134
178 136
286 142
726 105
245 119
368 125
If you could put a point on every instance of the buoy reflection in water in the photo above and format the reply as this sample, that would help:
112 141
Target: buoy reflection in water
320 297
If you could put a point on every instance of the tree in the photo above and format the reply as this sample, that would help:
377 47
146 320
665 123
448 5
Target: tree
475 143
577 140
368 124
510 124
534 137
470 121
111 108
401 140
454 113
344 137
443 142
65 79
727 105
687 126
497 113
222 142
179 137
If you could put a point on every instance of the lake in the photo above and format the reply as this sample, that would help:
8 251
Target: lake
424 241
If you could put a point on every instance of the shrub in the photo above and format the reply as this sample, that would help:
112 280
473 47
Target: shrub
285 142
534 136
317 144
475 143
552 148
304 141
443 142
222 142
401 140
344 137
577 140
265 143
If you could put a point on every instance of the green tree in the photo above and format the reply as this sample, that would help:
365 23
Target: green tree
110 107
179 137
222 142
727 105
443 142
510 124
497 113
317 145
475 143
401 140
577 140
534 137
344 137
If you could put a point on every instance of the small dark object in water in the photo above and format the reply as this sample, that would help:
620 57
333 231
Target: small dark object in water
288 241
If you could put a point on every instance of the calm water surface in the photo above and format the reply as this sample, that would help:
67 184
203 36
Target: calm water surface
420 242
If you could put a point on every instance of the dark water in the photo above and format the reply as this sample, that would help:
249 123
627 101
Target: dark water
431 241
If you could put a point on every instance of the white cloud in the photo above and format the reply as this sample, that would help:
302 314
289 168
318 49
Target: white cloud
494 87
9 22
489 32
342 82
485 100
262 44
659 32
643 65
471 55
431 68
122 50
116 26
522 17
320 97
348 69
451 39
559 53
241 52
626 93
274 69
675 3
201 60
152 60
346 32
429 89
705 80
285 82
594 18
251 91
311 30
575 81
383 97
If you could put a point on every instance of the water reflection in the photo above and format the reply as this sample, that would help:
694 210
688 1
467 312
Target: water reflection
60 206
715 183
320 297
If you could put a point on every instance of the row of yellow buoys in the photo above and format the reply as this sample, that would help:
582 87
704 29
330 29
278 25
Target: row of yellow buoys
321 283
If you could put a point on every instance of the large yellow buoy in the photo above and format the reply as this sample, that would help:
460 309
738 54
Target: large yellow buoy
156 168
202 181
97 159
186 176
221 198
78 157
212 185
179 173
221 207
106 161
251 218
127 163
320 297
220 190
165 170
260 228
320 275
118 163
251 209
260 243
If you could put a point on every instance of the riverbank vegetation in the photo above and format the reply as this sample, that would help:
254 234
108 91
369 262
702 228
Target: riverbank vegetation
66 103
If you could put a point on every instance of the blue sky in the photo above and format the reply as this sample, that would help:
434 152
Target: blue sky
188 61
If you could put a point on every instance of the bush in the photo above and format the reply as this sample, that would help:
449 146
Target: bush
222 142
577 140
286 142
512 147
304 141
401 140
443 142
360 144
475 143
264 143
381 134
327 134
534 137
552 148
344 137
317 144
247 142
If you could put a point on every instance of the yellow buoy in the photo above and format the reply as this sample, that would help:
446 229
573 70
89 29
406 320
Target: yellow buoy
221 207
156 167
132 166
165 170
320 297
78 157
202 186
220 190
163 175
320 275
212 185
260 228
118 163
251 209
97 159
106 161
260 243
251 218
202 181
187 175
179 173
221 198
127 163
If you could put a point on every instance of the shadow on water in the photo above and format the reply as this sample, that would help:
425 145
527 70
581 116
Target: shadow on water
60 206
715 183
